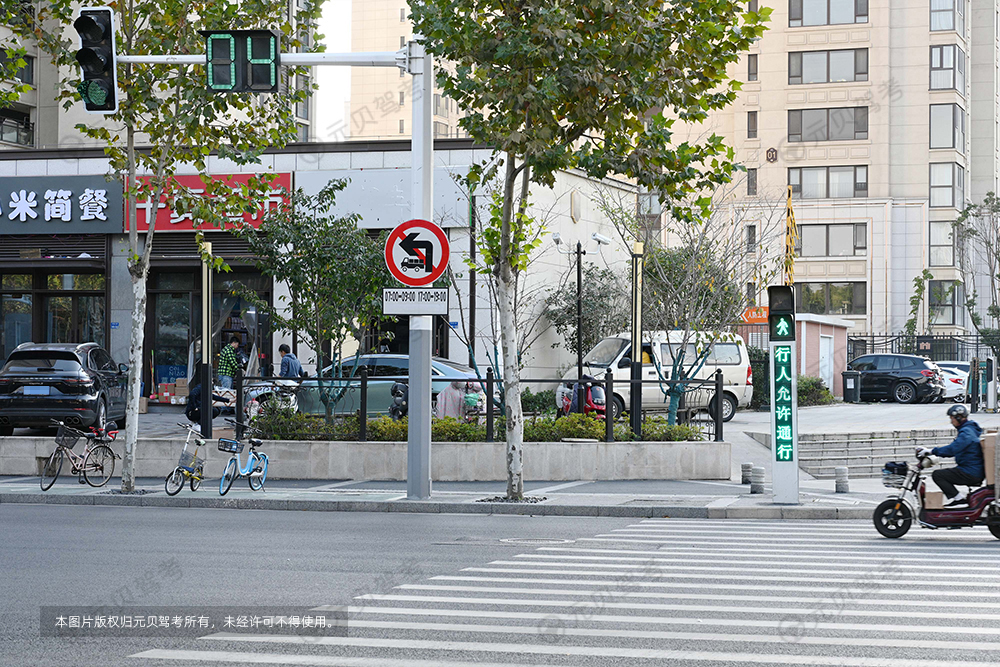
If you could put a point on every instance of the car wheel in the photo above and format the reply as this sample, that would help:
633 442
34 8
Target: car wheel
728 407
101 420
617 407
904 392
6 430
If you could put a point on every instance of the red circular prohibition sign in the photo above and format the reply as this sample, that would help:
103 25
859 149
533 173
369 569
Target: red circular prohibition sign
399 234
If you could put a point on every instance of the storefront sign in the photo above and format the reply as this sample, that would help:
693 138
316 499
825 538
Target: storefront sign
60 205
171 221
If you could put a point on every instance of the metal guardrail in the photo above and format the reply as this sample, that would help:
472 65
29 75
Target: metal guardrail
713 427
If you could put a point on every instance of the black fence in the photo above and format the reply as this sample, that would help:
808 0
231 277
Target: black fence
342 401
937 347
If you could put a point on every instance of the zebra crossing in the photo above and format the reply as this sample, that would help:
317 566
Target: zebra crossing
687 592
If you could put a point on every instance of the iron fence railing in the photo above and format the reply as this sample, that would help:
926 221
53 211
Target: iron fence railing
346 399
938 347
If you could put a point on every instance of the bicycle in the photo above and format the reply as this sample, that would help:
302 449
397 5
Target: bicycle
256 467
189 467
94 466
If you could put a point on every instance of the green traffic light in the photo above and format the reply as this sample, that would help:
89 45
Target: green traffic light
94 92
781 327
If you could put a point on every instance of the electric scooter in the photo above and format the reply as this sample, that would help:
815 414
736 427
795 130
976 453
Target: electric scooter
893 517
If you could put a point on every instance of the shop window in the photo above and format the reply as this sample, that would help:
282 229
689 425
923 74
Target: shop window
78 281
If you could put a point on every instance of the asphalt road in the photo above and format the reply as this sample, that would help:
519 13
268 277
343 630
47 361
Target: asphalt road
449 591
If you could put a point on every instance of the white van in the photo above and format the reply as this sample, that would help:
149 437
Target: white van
729 354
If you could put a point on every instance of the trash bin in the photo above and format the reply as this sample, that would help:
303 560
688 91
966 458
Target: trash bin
852 386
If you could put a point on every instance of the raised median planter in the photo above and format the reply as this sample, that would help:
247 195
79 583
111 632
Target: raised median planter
450 461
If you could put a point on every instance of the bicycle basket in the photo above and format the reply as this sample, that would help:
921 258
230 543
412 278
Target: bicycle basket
66 437
894 474
231 446
190 461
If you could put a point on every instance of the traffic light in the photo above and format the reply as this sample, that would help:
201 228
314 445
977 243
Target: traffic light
781 313
99 88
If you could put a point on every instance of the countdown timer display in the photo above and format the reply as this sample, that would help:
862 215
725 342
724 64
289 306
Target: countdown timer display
242 61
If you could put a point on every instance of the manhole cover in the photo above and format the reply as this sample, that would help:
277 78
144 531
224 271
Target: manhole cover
534 540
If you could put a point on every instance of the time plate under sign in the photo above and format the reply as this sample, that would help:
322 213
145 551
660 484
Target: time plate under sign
419 301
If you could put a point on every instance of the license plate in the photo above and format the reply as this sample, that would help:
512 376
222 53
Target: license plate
36 391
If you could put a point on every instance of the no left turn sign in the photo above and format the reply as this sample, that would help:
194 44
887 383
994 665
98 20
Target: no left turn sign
417 253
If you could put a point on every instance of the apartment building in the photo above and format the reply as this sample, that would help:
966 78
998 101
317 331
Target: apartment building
380 105
882 118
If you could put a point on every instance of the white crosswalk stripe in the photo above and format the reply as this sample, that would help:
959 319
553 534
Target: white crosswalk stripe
681 592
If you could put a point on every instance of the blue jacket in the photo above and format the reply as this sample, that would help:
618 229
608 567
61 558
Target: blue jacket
290 366
966 450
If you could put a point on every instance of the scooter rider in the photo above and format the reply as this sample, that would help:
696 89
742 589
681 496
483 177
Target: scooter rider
968 455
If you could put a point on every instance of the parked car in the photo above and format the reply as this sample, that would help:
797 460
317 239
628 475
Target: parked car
78 383
903 378
955 382
963 366
379 366
657 356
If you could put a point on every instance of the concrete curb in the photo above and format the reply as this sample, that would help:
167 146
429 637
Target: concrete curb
446 507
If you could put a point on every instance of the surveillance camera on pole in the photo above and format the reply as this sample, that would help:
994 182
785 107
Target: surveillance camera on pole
99 88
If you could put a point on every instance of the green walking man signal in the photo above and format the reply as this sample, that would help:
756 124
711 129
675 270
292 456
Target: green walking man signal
781 313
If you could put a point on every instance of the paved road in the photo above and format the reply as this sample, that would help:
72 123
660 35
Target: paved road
447 591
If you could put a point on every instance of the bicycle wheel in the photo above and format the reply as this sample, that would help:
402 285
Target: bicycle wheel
50 471
257 483
196 479
174 482
227 477
99 465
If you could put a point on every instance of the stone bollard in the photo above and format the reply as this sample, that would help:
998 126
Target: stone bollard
843 484
757 480
745 469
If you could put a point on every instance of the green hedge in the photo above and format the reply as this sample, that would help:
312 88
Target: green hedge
813 391
288 425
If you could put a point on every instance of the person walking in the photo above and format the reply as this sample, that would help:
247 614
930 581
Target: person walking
228 363
290 366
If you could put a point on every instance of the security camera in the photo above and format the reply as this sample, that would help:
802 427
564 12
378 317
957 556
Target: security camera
600 238
557 237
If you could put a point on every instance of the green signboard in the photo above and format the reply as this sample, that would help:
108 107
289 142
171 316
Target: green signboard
784 403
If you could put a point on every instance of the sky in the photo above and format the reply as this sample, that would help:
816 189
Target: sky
334 82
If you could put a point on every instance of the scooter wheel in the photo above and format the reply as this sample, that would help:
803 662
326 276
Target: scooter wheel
892 522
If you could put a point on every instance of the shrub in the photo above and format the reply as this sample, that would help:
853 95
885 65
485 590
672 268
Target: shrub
287 424
450 429
660 429
385 429
813 391
544 402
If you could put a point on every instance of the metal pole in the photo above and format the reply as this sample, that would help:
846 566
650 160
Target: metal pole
489 405
418 445
473 218
609 401
718 405
206 344
581 392
359 59
635 386
363 413
238 386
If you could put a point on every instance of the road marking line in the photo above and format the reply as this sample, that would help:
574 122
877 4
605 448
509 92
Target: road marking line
311 660
817 601
557 631
751 551
595 651
696 584
681 575
727 561
333 486
723 502
829 611
559 487
877 542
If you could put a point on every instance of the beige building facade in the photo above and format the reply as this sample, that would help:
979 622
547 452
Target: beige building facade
882 118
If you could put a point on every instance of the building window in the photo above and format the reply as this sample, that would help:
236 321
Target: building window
948 127
402 98
752 5
826 12
831 298
16 128
828 182
402 41
945 301
441 129
751 182
948 68
942 244
948 15
832 240
752 67
751 125
841 124
402 14
827 66
303 133
402 126
751 238
947 185
303 85
751 294
440 106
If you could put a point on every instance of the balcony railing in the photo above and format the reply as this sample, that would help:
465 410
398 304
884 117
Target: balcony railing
13 132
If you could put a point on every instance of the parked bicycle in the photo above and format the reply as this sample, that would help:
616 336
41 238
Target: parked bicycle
190 466
94 466
256 468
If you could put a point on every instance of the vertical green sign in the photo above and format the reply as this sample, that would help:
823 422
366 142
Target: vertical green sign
784 448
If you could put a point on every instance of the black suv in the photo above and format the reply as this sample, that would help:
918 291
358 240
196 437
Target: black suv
904 378
77 383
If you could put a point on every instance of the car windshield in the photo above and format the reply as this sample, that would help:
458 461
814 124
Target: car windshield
606 352
447 366
42 362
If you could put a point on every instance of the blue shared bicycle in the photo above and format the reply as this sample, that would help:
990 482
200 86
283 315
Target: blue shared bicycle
256 468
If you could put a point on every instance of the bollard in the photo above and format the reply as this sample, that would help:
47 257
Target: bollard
843 484
745 471
757 480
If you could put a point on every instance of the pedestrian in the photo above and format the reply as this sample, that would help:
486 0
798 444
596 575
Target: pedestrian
228 363
290 366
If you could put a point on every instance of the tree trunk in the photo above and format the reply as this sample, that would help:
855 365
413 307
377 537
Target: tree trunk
512 390
134 380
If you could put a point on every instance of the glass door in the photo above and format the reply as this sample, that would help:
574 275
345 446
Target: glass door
58 319
171 335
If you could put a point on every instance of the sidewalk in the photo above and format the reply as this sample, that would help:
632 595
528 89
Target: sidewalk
713 500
